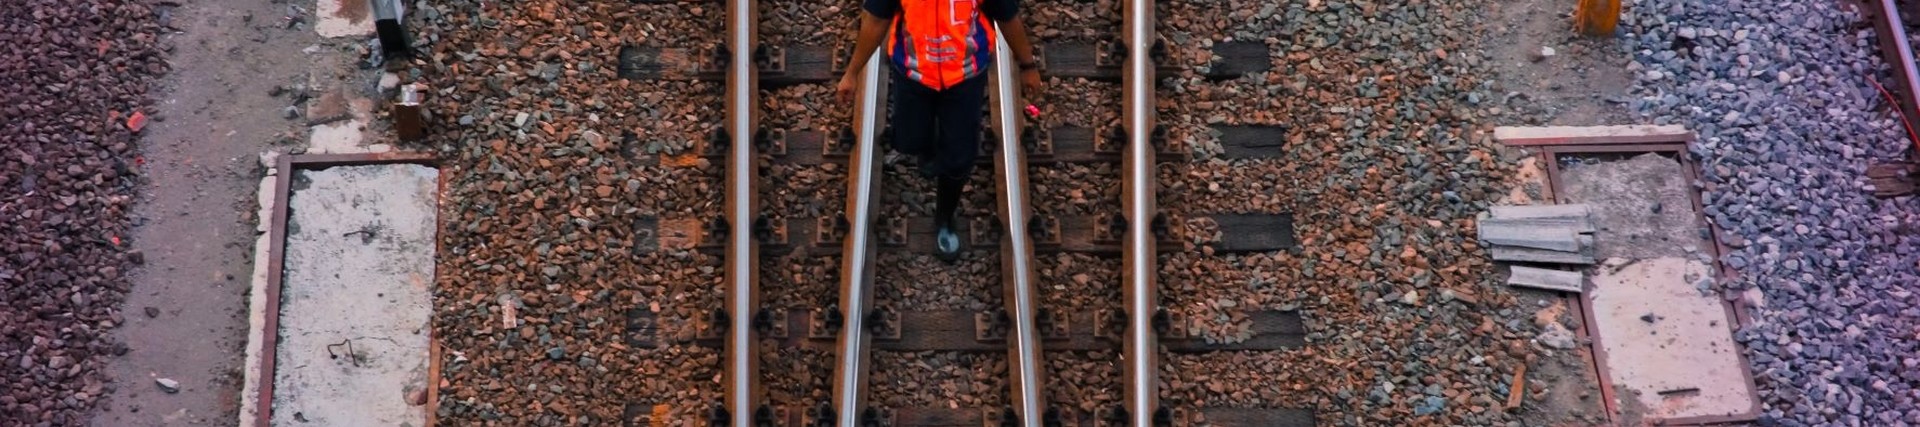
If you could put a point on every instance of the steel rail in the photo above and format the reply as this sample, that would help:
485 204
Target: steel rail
1016 249
856 267
1898 53
743 395
1138 251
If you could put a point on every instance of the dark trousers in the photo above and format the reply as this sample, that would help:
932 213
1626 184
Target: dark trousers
941 127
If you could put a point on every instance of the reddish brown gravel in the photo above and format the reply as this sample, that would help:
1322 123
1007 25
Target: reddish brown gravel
1385 164
71 75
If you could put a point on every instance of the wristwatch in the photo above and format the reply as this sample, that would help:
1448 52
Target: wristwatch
1029 65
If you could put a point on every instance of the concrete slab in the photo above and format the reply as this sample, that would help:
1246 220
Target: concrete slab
343 18
355 305
1668 347
1640 204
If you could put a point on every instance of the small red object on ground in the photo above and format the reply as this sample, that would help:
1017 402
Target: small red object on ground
1033 112
137 121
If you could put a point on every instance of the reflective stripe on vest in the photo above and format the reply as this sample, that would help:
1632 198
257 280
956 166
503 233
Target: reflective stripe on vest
940 43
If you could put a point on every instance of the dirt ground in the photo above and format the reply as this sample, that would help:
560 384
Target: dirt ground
186 312
1584 83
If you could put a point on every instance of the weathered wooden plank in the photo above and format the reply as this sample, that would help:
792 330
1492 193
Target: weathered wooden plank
1565 239
643 327
938 417
1516 254
958 330
1239 58
1254 417
1254 232
1517 390
1252 142
1083 60
1589 135
1892 179
935 416
792 65
1540 278
801 65
656 63
1075 59
1579 224
1578 210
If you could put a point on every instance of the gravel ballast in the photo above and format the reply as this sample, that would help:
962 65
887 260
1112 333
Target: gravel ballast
71 74
1788 120
1385 165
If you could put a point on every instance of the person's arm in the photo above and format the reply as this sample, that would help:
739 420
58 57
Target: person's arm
872 28
1006 15
1016 34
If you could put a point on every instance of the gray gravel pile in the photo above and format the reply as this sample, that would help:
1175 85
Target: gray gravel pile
1788 121
71 74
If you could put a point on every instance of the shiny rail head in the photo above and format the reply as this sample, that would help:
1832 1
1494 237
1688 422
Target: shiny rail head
850 376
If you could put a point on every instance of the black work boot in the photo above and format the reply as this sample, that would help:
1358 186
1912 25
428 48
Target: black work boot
946 239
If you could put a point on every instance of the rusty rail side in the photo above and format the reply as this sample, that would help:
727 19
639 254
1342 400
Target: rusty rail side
856 266
1016 246
1897 52
1139 254
744 395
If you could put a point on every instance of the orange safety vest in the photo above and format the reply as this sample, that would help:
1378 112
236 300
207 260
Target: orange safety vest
940 43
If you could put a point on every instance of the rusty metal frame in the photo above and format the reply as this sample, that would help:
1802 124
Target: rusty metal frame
286 166
1734 305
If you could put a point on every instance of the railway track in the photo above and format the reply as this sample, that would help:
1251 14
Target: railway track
1141 292
744 396
854 327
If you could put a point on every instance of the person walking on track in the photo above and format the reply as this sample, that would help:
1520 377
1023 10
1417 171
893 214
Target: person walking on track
940 52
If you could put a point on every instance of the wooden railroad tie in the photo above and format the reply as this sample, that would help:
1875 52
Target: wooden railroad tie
656 415
802 64
976 331
1093 234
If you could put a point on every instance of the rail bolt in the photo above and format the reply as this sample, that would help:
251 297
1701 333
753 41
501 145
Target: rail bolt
722 56
763 416
718 320
1052 418
763 321
1162 417
1008 418
820 416
719 228
719 141
1162 321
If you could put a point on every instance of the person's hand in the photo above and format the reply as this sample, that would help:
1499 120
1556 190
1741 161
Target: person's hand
1030 82
845 88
